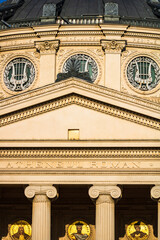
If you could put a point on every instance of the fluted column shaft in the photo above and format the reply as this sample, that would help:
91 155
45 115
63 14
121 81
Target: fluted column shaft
155 194
105 210
41 210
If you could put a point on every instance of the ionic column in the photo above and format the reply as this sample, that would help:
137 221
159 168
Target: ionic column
41 210
47 54
113 49
155 194
105 210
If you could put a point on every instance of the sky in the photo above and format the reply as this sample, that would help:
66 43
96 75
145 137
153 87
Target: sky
2 1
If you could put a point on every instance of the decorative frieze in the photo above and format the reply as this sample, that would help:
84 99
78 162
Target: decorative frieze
80 153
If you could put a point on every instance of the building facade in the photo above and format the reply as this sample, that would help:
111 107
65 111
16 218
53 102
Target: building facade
79 136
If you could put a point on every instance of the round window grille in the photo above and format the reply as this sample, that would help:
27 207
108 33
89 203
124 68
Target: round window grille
19 74
143 73
83 64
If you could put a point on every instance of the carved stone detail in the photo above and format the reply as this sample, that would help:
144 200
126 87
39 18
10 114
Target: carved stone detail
113 46
113 191
50 191
85 153
81 101
155 192
47 46
7 58
104 199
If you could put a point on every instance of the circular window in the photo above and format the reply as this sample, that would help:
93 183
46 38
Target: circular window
19 74
143 73
83 64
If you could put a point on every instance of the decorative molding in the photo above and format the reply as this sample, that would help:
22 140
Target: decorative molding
6 58
46 47
40 199
89 87
155 192
80 153
104 199
80 101
126 59
113 191
113 46
49 191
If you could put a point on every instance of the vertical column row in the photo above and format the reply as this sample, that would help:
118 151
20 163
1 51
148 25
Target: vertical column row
105 210
41 210
155 194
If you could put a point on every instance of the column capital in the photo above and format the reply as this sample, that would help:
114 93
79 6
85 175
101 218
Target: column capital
114 191
47 47
48 190
155 192
113 46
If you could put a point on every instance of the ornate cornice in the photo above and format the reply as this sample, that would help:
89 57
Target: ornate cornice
46 47
113 46
33 190
79 153
155 192
81 101
113 191
81 84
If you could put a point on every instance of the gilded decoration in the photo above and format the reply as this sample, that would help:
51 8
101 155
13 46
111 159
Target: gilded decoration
7 60
153 60
79 230
139 230
20 230
98 57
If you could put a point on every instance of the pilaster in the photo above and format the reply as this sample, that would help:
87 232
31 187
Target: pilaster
113 49
41 210
105 210
155 194
47 53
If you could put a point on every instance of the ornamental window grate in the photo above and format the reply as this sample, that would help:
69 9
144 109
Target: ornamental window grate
143 73
19 74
